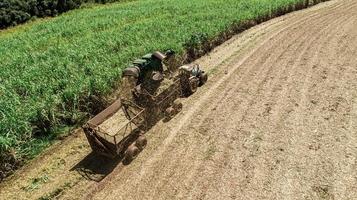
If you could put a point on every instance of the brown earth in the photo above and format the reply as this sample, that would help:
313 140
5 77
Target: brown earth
276 120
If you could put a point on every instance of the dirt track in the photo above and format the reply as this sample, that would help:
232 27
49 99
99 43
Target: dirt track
277 120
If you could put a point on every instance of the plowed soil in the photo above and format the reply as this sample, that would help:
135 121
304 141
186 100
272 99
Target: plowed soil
276 120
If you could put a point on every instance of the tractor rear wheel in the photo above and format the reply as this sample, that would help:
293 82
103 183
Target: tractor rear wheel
193 85
203 78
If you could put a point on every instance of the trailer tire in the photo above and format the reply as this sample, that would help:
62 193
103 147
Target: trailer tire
177 105
141 142
170 113
131 153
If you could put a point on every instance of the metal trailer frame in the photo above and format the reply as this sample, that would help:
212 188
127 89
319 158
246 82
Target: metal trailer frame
140 121
108 145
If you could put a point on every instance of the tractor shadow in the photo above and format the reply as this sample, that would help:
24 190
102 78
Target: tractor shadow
96 167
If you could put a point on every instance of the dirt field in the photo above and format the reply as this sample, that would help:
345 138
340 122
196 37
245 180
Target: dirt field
276 120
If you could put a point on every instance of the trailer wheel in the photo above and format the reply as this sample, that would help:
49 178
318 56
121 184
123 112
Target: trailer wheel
177 105
170 112
193 84
203 78
141 142
131 153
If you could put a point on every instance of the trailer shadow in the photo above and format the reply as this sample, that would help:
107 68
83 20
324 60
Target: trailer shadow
95 167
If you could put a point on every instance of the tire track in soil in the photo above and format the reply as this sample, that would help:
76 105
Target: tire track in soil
302 92
260 89
322 184
262 82
302 100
